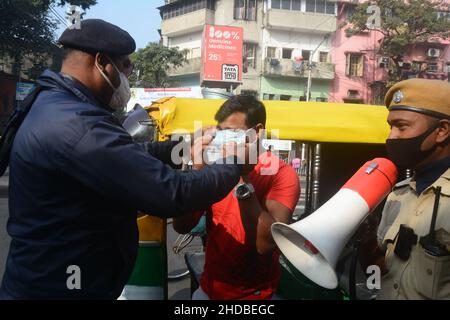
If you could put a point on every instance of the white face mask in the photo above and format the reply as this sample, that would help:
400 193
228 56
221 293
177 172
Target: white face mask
122 94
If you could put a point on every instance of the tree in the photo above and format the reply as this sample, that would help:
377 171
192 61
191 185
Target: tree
151 65
402 24
27 30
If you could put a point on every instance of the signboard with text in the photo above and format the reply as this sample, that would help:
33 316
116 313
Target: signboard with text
146 96
222 54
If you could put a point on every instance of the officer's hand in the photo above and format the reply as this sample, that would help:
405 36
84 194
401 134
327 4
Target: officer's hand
198 150
205 131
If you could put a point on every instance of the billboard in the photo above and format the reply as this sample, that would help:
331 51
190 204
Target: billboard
222 54
145 97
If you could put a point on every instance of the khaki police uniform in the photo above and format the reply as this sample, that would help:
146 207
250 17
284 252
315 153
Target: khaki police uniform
422 276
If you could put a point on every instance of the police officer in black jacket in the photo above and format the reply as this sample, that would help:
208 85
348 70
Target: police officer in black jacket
77 179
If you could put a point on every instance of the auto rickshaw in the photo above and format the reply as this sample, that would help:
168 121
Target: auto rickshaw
335 139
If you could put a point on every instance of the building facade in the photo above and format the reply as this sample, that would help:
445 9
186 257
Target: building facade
285 41
361 73
276 46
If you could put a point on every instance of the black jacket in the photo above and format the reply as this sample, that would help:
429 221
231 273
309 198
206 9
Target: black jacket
77 181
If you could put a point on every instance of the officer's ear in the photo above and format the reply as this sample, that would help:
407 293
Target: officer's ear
105 63
444 131
101 61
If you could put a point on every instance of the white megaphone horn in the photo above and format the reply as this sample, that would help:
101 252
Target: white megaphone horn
313 245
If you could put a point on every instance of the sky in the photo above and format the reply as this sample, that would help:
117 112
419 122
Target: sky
139 17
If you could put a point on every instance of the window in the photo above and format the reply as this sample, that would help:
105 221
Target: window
251 10
306 54
330 7
249 55
180 8
432 67
271 52
353 94
285 97
321 99
245 10
416 66
193 53
321 6
296 5
286 4
310 5
323 56
354 65
276 4
287 53
447 68
239 9
268 96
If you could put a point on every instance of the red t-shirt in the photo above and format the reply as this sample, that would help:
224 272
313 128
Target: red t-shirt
233 269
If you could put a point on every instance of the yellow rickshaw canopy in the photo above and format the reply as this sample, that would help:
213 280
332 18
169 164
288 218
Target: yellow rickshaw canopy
301 121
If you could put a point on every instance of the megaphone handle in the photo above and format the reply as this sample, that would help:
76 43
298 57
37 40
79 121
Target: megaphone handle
352 272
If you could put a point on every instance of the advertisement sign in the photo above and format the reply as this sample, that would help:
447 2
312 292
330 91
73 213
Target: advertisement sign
23 89
145 97
222 54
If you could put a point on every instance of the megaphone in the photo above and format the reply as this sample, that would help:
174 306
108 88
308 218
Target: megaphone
140 126
313 245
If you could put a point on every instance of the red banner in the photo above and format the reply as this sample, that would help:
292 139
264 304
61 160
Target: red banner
222 54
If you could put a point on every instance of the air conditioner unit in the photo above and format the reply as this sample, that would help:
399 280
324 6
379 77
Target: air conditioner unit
433 53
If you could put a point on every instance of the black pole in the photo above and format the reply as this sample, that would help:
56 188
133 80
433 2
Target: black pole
352 272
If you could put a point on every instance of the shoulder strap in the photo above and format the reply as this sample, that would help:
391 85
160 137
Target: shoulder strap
13 125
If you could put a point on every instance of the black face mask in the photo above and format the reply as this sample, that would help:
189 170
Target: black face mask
406 153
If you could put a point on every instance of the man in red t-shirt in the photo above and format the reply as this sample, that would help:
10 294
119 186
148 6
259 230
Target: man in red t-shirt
242 260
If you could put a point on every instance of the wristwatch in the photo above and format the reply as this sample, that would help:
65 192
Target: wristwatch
244 191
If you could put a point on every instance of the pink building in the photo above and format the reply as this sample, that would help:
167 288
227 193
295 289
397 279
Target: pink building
361 73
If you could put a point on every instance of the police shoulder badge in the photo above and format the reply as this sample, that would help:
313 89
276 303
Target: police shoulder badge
398 97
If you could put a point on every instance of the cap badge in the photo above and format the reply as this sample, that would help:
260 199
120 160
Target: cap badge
398 97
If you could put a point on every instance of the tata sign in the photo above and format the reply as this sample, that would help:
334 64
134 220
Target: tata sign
222 54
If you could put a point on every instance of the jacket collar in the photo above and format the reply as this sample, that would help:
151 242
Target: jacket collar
52 79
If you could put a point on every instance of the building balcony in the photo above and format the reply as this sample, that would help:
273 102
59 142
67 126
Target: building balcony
290 68
192 66
187 23
300 21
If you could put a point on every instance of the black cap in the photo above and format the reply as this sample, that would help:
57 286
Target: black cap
96 35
